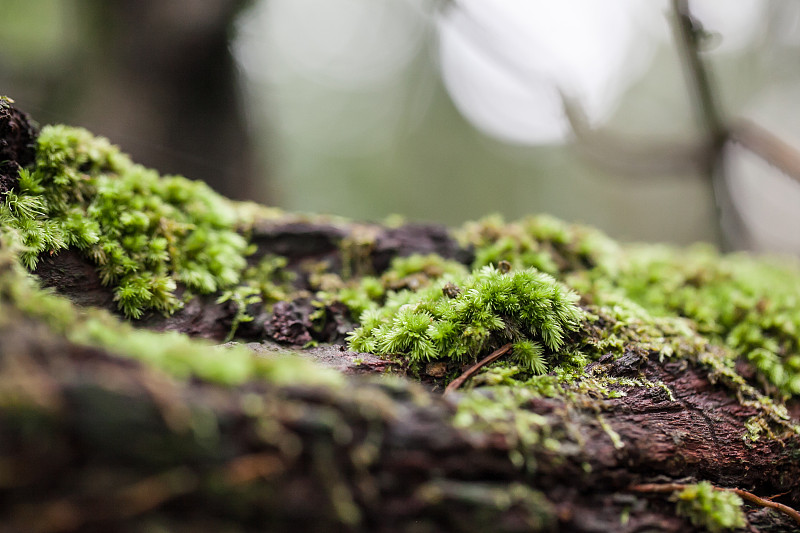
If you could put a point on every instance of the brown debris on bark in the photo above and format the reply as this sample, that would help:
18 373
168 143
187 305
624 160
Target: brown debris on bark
17 143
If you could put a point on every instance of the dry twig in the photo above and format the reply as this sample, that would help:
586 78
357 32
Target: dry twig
471 371
749 496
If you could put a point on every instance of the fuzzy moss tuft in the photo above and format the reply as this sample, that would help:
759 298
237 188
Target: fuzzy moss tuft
490 308
144 232
748 305
542 242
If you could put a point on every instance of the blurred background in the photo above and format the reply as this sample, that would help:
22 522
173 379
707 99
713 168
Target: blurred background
439 111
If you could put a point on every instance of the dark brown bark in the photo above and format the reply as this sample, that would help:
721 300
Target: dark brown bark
17 143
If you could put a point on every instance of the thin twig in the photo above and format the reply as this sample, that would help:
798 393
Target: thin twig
471 371
749 496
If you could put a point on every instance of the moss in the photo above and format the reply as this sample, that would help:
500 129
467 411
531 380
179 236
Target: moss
536 511
706 507
355 250
490 308
644 299
172 353
263 284
501 410
541 242
747 304
145 233
369 292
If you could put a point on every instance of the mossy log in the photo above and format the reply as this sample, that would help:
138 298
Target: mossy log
93 438
93 442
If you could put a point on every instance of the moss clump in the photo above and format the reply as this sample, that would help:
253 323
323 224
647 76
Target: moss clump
144 232
715 510
502 410
749 305
488 309
263 284
412 272
173 353
541 242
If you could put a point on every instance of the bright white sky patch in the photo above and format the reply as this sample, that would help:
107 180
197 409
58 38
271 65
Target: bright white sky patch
505 60
340 43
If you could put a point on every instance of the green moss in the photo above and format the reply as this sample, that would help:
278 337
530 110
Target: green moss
263 284
533 508
501 410
369 292
715 510
747 304
172 353
488 309
145 233
696 305
541 242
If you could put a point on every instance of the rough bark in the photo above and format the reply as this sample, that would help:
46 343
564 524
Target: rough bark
93 442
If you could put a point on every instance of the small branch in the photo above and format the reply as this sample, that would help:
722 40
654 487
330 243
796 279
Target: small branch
768 147
471 371
749 496
629 156
697 74
706 104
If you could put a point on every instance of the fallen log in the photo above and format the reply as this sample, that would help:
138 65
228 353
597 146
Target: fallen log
106 427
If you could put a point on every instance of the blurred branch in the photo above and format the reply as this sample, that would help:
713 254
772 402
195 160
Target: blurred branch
767 146
631 157
689 34
635 157
732 232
